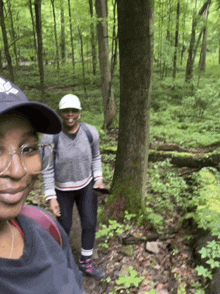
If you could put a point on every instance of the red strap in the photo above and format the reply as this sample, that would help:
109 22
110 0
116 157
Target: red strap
18 227
44 220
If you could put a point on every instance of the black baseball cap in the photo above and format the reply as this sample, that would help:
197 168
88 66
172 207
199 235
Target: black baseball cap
42 117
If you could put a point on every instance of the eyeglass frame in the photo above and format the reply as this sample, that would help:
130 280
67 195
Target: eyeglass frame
20 152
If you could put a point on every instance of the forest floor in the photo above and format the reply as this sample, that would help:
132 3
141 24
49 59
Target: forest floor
165 262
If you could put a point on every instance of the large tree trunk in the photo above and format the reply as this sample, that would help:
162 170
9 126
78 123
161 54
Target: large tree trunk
136 66
107 87
5 39
37 6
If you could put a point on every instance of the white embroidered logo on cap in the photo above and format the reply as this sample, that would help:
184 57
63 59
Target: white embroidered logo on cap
6 87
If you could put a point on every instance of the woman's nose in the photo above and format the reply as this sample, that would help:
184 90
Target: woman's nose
16 168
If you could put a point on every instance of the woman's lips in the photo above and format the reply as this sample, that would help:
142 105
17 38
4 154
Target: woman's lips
11 197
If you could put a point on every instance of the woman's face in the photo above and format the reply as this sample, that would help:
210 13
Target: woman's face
70 117
15 183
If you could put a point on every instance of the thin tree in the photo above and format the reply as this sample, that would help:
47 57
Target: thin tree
63 39
107 87
176 38
202 60
13 31
135 30
55 35
82 58
193 44
33 25
5 39
114 40
93 38
71 35
37 6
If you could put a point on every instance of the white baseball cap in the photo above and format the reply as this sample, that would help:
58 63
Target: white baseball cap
70 101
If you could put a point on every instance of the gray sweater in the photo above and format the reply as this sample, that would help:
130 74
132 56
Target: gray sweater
75 163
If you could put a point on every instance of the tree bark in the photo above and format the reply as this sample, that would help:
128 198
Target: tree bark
136 67
71 35
192 47
5 39
107 87
33 25
13 32
82 58
202 61
93 38
63 39
176 39
37 6
55 35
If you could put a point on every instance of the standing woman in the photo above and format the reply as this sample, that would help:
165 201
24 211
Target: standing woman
75 171
31 260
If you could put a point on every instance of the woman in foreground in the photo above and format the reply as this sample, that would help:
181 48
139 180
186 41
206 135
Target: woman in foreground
31 261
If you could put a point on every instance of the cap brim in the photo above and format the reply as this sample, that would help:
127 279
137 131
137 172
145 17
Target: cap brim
41 116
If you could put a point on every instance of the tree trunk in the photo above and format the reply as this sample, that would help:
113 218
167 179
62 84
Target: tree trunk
63 39
82 57
55 35
176 39
202 61
5 39
71 35
93 39
192 47
107 87
190 62
136 66
114 42
1 66
13 32
37 6
33 25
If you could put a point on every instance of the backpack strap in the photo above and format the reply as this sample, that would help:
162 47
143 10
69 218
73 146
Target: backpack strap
55 142
43 219
88 134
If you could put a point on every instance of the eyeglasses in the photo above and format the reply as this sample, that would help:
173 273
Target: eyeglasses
35 158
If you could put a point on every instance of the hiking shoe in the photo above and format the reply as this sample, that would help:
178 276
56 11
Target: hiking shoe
90 270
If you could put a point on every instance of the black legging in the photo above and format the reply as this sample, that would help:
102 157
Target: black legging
86 202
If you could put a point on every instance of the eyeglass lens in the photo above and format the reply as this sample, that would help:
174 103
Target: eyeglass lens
35 158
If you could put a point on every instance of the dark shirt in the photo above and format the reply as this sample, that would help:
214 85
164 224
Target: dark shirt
44 268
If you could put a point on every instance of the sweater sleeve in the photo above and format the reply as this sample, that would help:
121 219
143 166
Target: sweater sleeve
96 156
48 175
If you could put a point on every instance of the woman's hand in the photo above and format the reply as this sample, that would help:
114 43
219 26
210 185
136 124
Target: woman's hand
54 207
99 184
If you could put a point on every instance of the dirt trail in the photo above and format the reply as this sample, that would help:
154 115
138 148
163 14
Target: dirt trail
169 270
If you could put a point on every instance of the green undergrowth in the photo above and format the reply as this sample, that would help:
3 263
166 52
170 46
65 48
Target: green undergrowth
205 206
113 228
206 200
167 196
